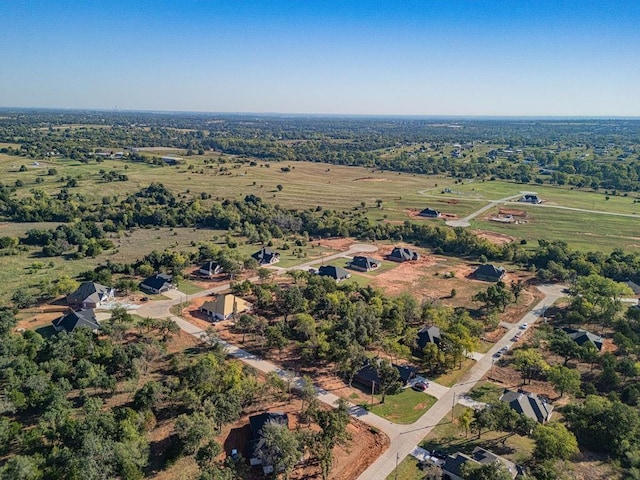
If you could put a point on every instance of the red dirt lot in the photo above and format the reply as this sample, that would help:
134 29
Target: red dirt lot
495 238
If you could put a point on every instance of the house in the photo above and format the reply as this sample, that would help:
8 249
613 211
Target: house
430 213
489 273
402 254
224 306
364 264
452 468
257 423
266 256
77 319
633 286
209 269
530 198
337 273
90 295
430 334
582 337
158 283
368 377
528 404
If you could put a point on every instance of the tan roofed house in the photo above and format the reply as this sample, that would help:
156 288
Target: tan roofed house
224 306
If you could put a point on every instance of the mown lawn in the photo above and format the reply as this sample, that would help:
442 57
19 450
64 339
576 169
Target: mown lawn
448 437
408 469
405 407
486 392
452 377
582 231
188 287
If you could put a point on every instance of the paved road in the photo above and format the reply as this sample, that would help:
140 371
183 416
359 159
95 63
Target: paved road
403 438
466 221
411 435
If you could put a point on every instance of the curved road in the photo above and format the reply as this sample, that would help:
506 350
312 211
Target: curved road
403 438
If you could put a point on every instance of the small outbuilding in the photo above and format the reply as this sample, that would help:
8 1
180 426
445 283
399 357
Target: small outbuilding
403 254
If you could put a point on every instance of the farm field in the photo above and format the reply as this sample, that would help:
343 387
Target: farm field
308 185
29 270
581 230
551 195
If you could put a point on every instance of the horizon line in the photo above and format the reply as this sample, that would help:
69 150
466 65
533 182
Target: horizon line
326 115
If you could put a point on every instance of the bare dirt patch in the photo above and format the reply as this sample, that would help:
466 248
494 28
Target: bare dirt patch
339 244
370 179
514 212
495 238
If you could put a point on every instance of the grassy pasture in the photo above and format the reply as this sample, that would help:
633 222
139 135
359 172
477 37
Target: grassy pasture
581 230
552 195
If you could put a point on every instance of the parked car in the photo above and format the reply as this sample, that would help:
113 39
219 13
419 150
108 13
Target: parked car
420 386
524 326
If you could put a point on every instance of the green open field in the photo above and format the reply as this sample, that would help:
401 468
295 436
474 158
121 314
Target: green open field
583 231
405 407
551 195
307 185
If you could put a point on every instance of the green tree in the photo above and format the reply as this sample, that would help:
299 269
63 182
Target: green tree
333 431
389 376
22 298
529 362
488 471
465 420
281 448
554 441
564 379
193 429
246 323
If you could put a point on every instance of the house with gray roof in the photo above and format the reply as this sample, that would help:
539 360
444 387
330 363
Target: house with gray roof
90 295
337 273
489 273
530 198
209 269
428 334
403 254
364 264
257 423
430 213
528 404
583 337
452 468
158 283
73 320
266 256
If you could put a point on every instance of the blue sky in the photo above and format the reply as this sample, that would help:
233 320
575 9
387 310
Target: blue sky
428 57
